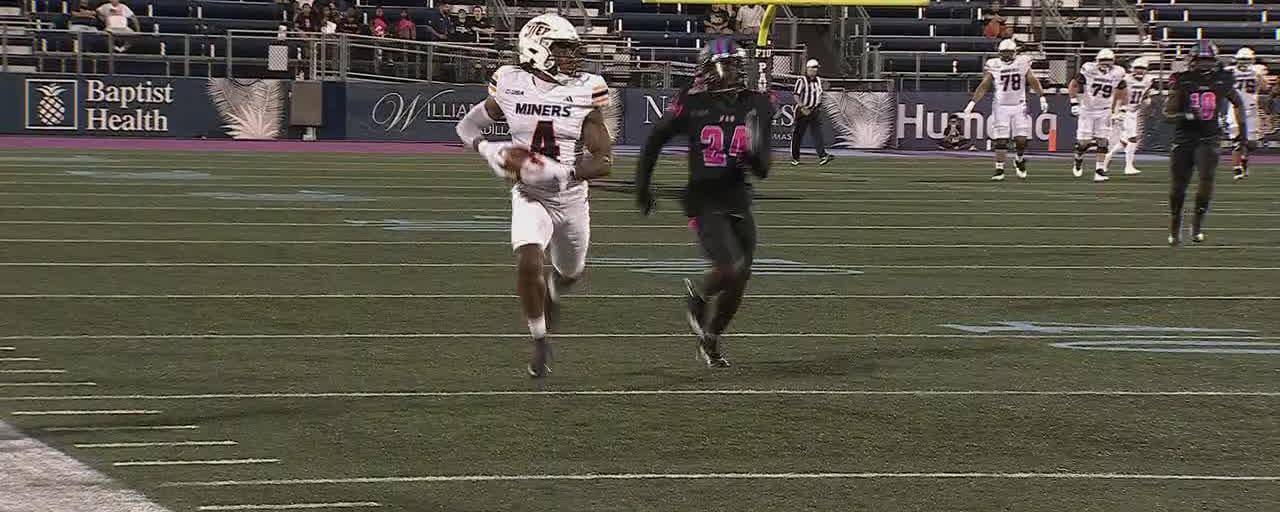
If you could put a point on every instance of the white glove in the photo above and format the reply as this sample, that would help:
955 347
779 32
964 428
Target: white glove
1075 109
496 154
1044 104
1118 113
968 109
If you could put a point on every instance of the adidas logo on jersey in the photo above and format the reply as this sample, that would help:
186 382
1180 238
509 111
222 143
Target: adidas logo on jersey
531 109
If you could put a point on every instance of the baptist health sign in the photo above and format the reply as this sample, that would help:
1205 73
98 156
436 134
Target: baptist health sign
58 105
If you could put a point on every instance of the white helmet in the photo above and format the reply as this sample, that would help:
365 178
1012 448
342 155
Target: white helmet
1245 58
535 46
1105 58
1140 66
1008 48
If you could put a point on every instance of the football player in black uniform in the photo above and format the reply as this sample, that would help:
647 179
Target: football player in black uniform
728 130
1196 98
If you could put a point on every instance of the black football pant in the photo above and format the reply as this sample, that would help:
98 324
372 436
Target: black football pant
813 123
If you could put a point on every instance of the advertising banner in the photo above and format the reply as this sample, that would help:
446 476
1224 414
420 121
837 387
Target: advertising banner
412 112
641 108
143 106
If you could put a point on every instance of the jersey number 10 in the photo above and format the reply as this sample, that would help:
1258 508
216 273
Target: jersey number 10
713 150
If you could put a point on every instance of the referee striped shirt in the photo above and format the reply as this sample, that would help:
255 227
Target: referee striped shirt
808 92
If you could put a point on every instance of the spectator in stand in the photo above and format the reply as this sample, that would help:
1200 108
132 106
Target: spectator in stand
717 23
305 20
328 21
727 9
461 32
118 17
406 28
479 23
378 26
995 23
438 24
953 138
84 18
750 17
349 22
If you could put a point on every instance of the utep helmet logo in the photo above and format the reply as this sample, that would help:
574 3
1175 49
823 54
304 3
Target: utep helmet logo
537 30
52 104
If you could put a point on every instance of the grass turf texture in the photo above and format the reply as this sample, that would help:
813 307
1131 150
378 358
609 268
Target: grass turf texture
905 223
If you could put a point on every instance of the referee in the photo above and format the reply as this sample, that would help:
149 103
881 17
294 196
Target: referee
808 95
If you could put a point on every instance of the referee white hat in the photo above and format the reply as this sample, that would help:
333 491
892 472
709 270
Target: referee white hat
813 63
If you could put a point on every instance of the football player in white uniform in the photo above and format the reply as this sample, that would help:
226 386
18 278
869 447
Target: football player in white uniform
1251 82
1096 98
1138 87
554 111
1010 74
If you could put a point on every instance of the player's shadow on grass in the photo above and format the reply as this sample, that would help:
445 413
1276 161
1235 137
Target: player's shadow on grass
669 192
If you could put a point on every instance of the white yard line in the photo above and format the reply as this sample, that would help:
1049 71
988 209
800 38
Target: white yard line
641 296
294 506
719 476
460 335
213 462
597 198
379 225
39 478
763 212
87 412
18 359
46 384
46 370
1154 246
155 444
151 264
923 393
7 349
121 428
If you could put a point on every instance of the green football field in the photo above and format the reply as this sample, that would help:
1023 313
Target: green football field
242 331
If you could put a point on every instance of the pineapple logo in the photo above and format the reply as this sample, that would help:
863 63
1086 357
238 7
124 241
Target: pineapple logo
52 104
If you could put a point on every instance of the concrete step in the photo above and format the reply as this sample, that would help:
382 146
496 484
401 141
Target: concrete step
17 50
20 69
10 11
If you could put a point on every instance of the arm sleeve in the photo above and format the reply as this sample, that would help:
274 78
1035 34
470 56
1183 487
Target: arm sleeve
471 127
664 130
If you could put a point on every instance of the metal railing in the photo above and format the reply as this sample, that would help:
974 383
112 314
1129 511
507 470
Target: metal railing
258 54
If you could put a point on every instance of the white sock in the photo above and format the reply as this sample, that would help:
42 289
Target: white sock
1106 161
999 166
1130 154
538 327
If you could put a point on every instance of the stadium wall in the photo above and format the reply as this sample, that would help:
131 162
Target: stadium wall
258 109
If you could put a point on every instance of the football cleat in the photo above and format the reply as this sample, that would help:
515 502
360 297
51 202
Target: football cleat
998 176
1100 175
1239 174
1131 171
1077 170
539 356
826 159
1020 169
1174 240
709 352
795 163
1198 237
696 307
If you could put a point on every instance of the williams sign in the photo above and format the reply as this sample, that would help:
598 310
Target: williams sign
412 112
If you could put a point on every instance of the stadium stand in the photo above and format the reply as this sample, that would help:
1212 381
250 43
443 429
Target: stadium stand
924 47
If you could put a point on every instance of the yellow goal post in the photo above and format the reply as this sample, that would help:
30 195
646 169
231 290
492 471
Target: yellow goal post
763 49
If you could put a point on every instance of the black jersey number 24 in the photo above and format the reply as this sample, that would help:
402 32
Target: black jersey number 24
544 140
